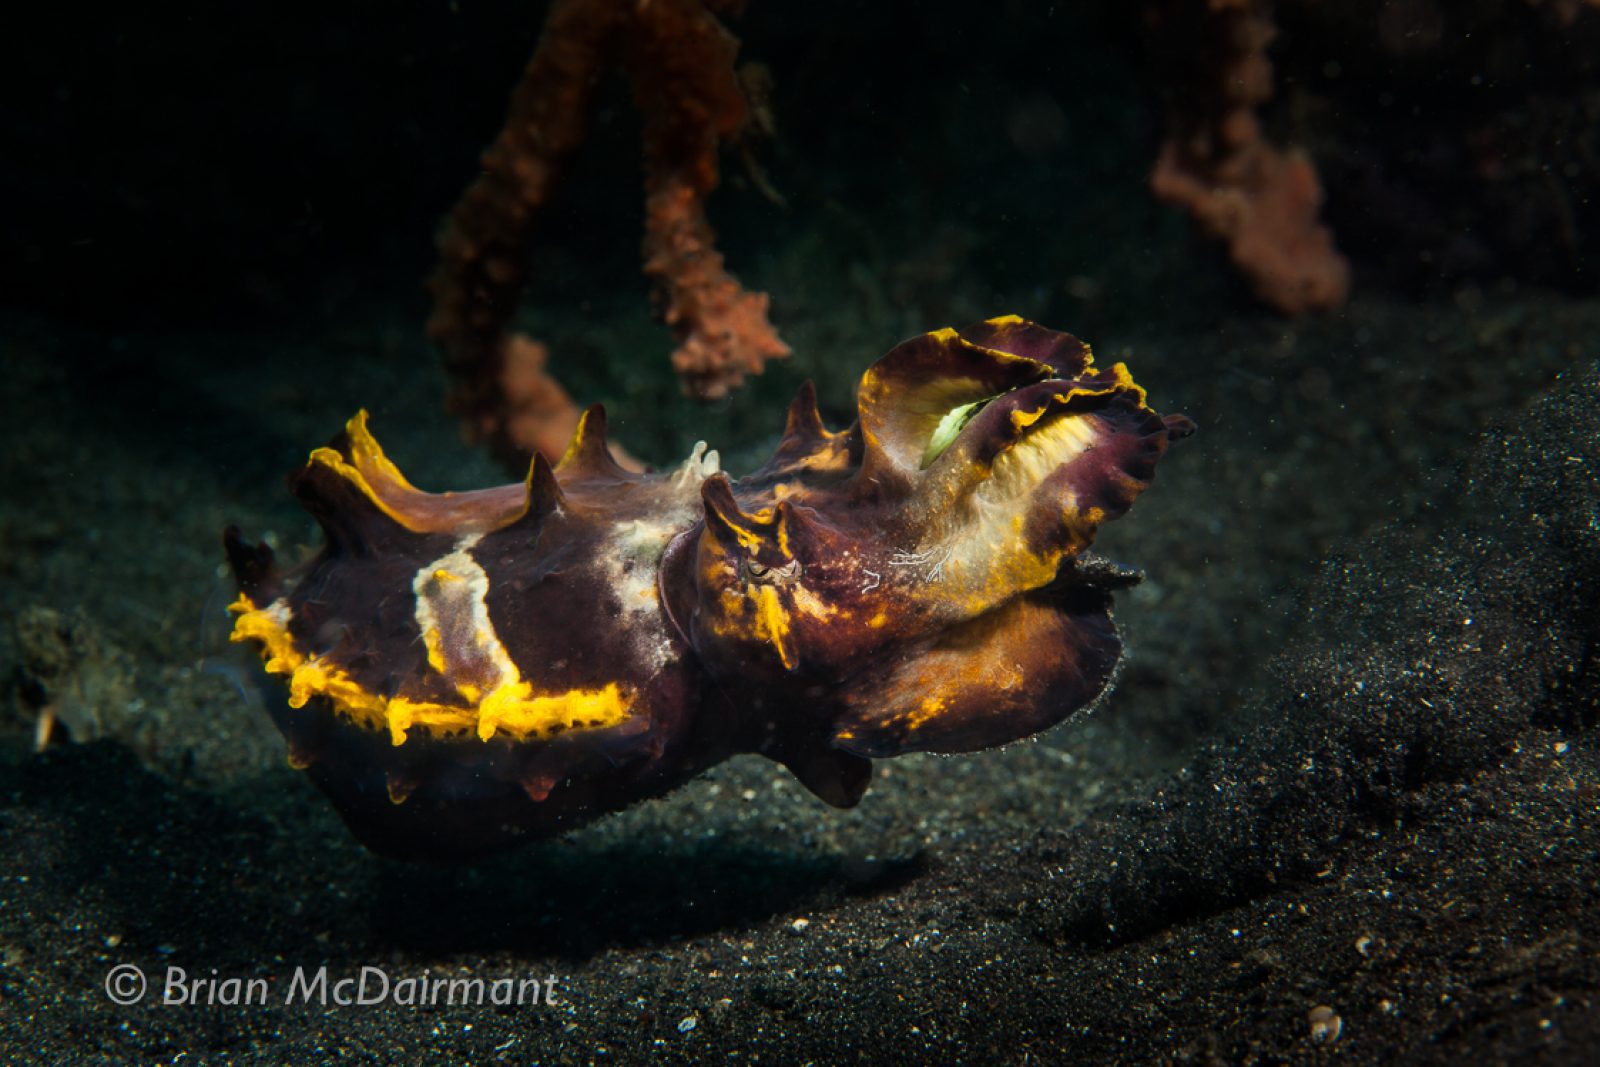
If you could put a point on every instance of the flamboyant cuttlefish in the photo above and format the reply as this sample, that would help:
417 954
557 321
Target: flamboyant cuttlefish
467 670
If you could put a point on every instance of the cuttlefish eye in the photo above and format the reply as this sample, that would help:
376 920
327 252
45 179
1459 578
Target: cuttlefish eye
760 572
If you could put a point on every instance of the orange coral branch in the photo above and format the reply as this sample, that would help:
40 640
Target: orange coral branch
680 60
682 64
1567 10
544 417
1217 163
482 252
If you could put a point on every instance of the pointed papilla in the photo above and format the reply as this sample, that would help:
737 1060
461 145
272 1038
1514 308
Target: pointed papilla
302 754
588 456
544 495
357 521
803 429
807 444
728 523
538 787
835 777
252 566
1179 426
401 784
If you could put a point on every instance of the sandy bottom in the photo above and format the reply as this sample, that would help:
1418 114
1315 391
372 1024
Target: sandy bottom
1342 803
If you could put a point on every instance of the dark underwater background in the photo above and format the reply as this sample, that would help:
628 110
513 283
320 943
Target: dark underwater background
1343 803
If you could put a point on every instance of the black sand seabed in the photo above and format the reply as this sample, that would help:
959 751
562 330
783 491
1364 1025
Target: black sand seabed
1358 797
1342 804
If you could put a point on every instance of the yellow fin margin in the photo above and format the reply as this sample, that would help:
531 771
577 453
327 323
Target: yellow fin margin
512 709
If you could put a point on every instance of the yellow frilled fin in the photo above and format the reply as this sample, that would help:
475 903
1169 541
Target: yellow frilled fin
511 709
514 710
268 627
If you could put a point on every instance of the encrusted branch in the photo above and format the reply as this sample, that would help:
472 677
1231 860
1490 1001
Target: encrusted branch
680 62
1217 163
